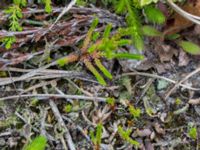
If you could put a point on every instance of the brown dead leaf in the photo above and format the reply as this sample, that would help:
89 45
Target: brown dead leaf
159 129
143 133
179 22
165 52
183 59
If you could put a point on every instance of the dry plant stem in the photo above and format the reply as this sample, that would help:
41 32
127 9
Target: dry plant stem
70 58
193 18
80 89
157 77
64 11
180 82
47 96
194 101
60 92
79 128
62 123
6 81
149 82
52 71
42 129
38 86
5 134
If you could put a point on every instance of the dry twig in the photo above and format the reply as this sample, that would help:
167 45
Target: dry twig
183 80
158 77
47 96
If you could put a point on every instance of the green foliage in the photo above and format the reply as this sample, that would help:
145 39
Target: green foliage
150 31
106 45
109 44
193 133
20 2
39 143
62 61
190 47
172 36
145 2
47 4
15 14
110 101
68 108
103 69
8 41
154 15
135 112
133 18
81 2
126 136
99 78
133 21
96 138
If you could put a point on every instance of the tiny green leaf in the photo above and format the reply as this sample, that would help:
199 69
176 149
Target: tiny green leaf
150 31
154 15
62 61
127 56
39 143
135 112
107 30
68 108
172 36
190 47
110 101
103 69
125 134
99 78
193 133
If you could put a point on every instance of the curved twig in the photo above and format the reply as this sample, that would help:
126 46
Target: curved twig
193 18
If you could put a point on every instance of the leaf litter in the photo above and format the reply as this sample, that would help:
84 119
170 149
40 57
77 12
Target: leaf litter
162 124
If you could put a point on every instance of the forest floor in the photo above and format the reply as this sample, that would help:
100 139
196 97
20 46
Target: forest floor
157 99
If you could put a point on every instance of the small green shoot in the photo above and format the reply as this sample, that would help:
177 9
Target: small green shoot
15 14
193 133
68 108
47 4
8 41
135 112
39 143
133 21
103 69
99 78
126 136
20 2
110 101
96 138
